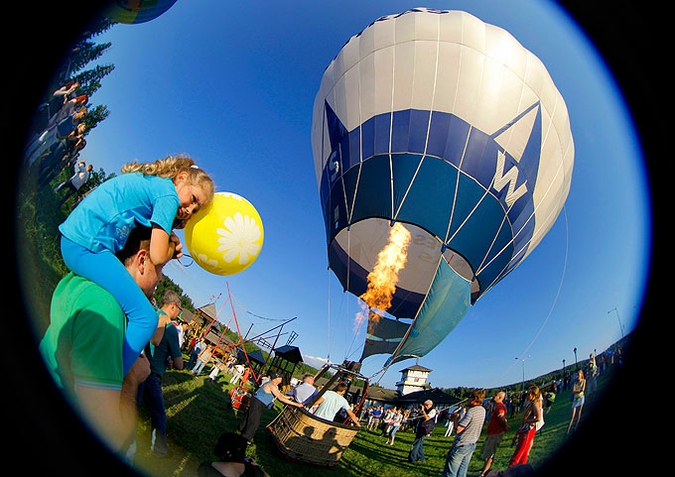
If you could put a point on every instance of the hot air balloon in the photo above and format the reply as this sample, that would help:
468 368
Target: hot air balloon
438 121
137 11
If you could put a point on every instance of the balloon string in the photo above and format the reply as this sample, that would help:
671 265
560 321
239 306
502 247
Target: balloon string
328 314
186 256
553 305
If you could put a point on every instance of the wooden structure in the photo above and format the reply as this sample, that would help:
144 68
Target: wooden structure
286 359
255 359
302 437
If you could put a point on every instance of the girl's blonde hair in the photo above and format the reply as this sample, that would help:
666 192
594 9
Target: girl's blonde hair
170 167
534 392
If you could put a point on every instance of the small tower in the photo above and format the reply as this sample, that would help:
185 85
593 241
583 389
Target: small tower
413 378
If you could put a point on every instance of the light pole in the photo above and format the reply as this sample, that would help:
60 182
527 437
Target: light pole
563 368
576 366
522 360
618 318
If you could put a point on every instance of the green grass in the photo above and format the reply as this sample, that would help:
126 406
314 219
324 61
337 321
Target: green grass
199 411
41 266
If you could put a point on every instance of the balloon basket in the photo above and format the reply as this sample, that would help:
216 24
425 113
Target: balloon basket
302 437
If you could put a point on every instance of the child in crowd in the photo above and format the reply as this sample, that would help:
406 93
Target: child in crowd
161 195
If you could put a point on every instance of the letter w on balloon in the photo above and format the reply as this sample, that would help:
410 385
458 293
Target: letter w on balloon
501 180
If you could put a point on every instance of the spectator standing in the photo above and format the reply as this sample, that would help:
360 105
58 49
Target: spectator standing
533 418
467 433
387 419
246 376
199 346
52 106
592 376
425 423
263 398
396 422
76 181
238 372
150 392
497 425
376 415
549 398
578 399
203 359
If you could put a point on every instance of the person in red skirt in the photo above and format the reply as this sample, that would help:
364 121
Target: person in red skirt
532 415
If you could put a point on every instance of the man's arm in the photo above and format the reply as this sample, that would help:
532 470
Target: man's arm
281 397
353 417
159 331
178 363
174 348
111 413
501 418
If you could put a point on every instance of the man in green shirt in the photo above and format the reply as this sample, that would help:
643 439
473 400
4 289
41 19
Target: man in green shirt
82 346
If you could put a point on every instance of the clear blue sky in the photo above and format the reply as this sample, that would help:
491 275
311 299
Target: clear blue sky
233 85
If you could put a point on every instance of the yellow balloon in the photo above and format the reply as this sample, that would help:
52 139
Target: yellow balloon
225 237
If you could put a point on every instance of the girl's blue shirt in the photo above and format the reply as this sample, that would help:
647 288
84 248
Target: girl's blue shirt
104 219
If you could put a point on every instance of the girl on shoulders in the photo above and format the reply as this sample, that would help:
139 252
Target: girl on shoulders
161 195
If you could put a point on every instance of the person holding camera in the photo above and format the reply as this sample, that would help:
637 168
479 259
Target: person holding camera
425 425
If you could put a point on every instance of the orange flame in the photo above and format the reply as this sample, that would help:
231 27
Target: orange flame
384 277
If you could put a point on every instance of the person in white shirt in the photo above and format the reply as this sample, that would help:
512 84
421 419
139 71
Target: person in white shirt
238 372
76 181
304 391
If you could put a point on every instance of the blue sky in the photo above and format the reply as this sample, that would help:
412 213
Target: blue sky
233 86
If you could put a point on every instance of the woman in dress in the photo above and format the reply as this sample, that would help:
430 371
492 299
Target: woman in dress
578 389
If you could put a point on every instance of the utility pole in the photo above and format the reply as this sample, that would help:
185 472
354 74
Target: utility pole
618 318
576 365
522 360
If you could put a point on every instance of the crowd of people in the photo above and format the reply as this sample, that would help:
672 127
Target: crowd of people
467 419
56 138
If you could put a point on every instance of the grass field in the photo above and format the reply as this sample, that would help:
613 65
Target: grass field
199 411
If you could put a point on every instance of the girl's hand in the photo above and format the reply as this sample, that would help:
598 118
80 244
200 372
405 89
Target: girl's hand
178 246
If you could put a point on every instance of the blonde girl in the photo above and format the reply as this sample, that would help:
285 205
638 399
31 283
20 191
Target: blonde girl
578 390
161 195
532 414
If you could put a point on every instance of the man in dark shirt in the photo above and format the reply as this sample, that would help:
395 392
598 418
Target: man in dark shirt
168 349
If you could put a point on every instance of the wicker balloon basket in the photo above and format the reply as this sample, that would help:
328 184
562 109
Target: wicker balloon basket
301 437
